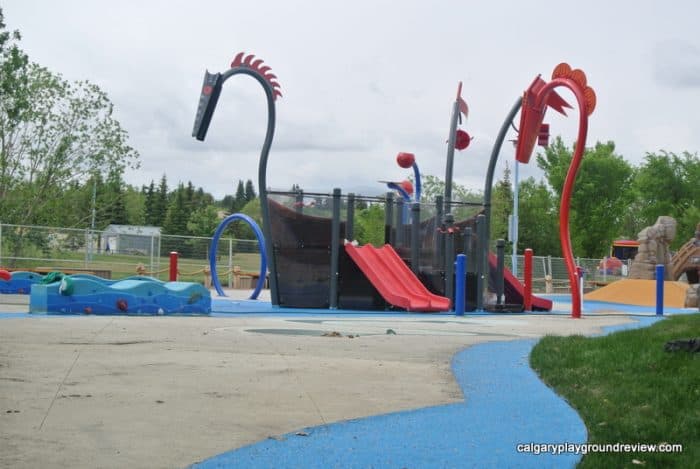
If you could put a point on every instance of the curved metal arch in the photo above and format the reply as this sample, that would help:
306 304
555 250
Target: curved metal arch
263 254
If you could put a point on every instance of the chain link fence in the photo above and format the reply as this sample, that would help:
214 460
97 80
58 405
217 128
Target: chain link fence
43 249
550 274
117 255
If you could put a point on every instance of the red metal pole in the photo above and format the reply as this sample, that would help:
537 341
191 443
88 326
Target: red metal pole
527 300
173 266
567 190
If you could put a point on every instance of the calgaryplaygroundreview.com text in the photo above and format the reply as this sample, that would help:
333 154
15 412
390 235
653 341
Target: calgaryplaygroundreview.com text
585 448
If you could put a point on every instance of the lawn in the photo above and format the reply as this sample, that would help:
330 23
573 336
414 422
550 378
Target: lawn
627 389
124 265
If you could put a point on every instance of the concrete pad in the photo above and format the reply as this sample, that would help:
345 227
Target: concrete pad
166 392
640 293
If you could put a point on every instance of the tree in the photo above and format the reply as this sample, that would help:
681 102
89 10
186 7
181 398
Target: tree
432 186
600 196
501 207
240 199
67 133
149 202
369 225
203 221
669 184
178 214
112 201
249 191
538 219
159 204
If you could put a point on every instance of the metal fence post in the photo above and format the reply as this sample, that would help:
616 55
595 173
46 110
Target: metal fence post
0 243
399 222
230 263
350 218
388 217
500 258
480 260
449 258
151 257
299 201
335 250
87 247
415 237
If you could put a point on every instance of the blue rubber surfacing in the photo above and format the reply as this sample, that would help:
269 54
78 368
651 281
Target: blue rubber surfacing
506 406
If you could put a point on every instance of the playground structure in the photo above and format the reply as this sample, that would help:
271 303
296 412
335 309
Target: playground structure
57 293
308 267
88 294
654 252
18 282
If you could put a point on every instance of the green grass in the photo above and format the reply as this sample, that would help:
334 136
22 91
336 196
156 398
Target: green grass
124 265
628 389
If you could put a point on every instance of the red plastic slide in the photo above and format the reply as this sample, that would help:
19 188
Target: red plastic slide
394 280
514 290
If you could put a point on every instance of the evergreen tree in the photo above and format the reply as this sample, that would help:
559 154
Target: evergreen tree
160 203
113 203
189 196
249 191
150 203
240 200
177 214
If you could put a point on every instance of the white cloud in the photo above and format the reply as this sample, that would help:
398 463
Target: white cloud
364 80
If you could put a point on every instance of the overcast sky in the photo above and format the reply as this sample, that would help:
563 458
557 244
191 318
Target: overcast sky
363 80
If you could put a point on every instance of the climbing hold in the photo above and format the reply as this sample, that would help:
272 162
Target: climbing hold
122 305
66 286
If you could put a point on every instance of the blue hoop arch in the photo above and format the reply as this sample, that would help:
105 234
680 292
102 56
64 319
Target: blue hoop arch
261 243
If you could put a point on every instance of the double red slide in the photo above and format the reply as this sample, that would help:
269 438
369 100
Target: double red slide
394 280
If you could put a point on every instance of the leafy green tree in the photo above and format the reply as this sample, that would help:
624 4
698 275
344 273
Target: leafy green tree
54 135
600 195
432 186
67 133
538 219
369 225
134 202
203 221
669 184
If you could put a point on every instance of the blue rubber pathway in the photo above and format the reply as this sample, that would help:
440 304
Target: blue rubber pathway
507 405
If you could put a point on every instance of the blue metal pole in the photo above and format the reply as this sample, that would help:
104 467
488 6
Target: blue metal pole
419 184
659 290
460 281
